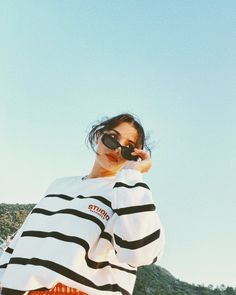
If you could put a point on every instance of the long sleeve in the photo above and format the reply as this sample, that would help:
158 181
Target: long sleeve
9 249
138 235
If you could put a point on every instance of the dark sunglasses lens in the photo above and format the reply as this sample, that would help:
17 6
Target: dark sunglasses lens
113 144
109 142
126 153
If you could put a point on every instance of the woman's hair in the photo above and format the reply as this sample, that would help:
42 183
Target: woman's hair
108 123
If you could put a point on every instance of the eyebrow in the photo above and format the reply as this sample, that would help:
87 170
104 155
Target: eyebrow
119 134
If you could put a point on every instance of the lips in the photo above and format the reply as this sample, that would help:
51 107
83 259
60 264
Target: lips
112 158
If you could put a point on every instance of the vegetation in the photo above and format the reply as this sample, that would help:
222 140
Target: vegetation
155 280
151 280
11 217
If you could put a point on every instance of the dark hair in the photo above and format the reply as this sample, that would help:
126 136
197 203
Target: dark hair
108 123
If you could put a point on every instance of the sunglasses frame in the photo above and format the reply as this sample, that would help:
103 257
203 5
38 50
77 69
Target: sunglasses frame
113 144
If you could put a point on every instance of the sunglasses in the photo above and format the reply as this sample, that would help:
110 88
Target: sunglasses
113 144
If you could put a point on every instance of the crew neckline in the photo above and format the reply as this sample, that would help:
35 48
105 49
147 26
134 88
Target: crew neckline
94 178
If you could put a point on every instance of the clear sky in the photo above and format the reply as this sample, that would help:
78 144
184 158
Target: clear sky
66 64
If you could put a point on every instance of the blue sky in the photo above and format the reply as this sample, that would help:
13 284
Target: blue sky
66 64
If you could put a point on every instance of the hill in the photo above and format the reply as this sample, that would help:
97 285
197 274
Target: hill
155 280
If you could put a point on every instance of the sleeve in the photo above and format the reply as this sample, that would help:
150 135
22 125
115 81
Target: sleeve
9 246
8 249
138 235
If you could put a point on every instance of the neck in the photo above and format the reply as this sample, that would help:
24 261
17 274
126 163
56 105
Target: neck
98 171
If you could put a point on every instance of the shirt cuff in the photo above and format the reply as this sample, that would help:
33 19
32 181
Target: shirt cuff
129 176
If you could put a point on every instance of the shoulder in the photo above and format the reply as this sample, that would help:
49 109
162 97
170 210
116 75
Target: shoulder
61 182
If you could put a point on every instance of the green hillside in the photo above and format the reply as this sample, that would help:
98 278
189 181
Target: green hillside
151 280
11 217
155 280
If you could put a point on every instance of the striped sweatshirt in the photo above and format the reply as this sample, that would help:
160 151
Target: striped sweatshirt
88 234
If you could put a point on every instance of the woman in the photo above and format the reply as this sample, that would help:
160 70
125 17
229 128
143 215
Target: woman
89 234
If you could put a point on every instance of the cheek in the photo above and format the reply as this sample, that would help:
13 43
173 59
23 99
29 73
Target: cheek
100 146
102 149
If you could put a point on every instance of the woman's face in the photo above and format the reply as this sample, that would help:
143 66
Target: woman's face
112 160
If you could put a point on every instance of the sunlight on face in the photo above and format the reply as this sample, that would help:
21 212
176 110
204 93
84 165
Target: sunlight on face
112 160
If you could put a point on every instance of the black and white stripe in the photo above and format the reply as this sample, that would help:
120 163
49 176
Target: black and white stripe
144 231
137 243
138 184
69 198
66 272
74 212
135 209
62 226
76 240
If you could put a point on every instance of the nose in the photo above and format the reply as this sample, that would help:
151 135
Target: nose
122 141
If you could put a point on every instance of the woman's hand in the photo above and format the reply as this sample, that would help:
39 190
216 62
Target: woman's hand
143 164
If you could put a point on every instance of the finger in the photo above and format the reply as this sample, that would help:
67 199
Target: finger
142 153
143 157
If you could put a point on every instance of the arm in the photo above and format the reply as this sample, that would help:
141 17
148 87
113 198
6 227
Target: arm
8 250
9 247
138 235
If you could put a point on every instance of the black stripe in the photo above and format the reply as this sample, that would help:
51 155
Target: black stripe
138 243
122 184
135 209
3 265
154 260
73 239
71 212
99 198
9 250
106 235
68 198
7 291
66 272
61 196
